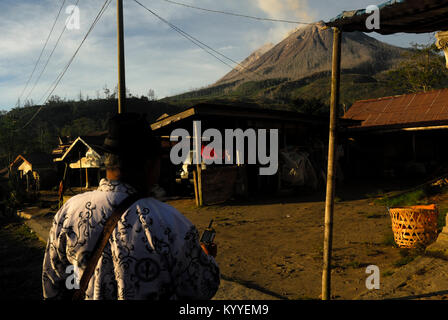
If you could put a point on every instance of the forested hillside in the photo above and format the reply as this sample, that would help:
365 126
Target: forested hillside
64 118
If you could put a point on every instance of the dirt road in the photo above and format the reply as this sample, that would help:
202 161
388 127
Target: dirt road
277 247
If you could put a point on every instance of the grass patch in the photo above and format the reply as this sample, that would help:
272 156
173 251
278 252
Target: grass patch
375 216
420 196
389 240
386 274
378 193
21 256
409 255
441 219
356 265
404 261
407 199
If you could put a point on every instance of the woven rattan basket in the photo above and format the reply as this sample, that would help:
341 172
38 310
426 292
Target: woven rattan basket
414 225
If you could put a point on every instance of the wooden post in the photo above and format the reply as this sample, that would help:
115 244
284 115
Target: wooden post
197 141
80 172
195 184
331 173
27 182
87 179
121 61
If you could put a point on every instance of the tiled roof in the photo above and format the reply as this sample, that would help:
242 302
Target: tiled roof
419 109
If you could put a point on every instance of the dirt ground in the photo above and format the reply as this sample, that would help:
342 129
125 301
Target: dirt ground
276 246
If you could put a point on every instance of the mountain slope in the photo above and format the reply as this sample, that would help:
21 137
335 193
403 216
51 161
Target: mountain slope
307 51
300 66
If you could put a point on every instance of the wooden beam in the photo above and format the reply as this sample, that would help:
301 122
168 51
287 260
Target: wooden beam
195 184
121 61
331 172
198 158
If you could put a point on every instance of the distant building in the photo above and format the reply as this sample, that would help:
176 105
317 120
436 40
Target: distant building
399 136
83 158
36 170
300 135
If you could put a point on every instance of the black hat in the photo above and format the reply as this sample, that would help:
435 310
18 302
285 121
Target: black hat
130 134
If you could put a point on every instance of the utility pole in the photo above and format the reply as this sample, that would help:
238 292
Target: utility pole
331 173
121 67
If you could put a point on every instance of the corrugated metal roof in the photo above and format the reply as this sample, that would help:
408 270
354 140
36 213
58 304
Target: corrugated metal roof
410 110
409 16
241 111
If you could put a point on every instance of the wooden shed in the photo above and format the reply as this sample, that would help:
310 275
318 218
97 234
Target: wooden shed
84 160
36 170
399 136
217 183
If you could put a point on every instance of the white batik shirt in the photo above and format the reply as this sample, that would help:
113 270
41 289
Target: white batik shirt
153 253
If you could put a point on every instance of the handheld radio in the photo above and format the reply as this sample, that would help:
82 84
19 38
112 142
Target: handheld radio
209 234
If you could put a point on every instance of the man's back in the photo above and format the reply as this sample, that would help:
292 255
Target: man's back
153 253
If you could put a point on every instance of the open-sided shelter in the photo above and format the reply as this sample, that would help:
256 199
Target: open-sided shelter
396 16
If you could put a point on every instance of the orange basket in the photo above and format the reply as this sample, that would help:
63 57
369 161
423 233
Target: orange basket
414 225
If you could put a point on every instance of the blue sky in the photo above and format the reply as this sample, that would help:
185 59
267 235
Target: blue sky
156 57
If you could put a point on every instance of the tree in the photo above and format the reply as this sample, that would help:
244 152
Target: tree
422 69
312 106
54 99
151 95
80 126
106 91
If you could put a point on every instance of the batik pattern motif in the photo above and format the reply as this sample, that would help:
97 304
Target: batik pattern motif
153 253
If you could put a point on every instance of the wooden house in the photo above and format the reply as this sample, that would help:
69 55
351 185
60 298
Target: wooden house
36 170
82 161
399 136
306 133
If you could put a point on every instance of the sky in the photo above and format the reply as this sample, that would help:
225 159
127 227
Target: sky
157 58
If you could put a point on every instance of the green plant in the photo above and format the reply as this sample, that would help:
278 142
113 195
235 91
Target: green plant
387 273
441 219
406 199
16 192
404 261
409 255
389 239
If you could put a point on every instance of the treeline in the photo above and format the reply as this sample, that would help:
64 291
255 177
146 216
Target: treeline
65 118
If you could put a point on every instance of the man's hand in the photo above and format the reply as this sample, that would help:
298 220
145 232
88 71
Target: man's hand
210 249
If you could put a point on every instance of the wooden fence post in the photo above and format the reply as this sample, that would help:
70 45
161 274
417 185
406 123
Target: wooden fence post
331 173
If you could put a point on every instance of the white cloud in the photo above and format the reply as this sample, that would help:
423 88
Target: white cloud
295 10
287 9
156 57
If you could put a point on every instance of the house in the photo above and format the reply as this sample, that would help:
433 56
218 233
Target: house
402 135
64 143
83 158
36 170
300 138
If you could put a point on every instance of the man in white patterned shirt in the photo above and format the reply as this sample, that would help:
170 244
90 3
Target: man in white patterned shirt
154 251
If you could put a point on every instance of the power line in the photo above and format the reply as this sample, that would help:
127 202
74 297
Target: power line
51 54
61 75
41 52
235 14
199 43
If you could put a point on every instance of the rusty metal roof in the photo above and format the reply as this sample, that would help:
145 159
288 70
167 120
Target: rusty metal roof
405 111
409 16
